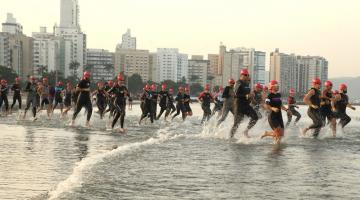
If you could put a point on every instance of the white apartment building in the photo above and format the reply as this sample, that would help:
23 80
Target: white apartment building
100 63
132 61
73 42
197 71
243 58
5 56
171 65
11 26
128 42
46 52
297 71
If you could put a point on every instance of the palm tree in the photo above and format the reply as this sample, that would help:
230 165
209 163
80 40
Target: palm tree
74 66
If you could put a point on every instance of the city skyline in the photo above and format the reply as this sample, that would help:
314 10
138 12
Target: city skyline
326 29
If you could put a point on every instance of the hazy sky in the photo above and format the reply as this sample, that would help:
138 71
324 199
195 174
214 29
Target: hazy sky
328 28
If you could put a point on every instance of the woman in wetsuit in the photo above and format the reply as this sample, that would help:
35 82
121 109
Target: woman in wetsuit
206 98
292 108
341 103
312 99
274 104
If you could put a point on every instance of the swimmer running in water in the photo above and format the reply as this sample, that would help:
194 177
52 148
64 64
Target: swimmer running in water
83 99
206 99
242 104
341 102
326 106
274 104
291 106
312 99
228 96
16 88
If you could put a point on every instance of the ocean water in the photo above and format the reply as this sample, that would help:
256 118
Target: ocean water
47 159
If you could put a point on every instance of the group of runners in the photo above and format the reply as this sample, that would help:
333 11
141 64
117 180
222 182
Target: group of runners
238 97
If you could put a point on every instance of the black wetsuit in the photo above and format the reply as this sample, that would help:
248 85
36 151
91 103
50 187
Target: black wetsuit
68 97
275 118
219 103
293 111
257 103
31 100
180 106
120 92
206 99
17 96
58 96
155 96
325 109
242 106
83 100
170 108
101 101
314 113
164 99
45 96
147 106
187 101
110 101
4 90
340 107
228 95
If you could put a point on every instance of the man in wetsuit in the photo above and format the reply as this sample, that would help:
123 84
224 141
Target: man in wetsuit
120 92
46 99
187 102
32 89
180 104
242 104
312 99
341 102
59 94
170 108
147 104
101 95
219 101
154 101
110 99
257 99
83 99
16 88
68 98
143 98
326 108
206 98
292 108
4 90
164 99
228 96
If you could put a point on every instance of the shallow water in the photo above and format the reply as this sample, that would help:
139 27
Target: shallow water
181 160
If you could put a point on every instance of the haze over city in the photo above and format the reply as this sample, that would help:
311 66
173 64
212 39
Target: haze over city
325 28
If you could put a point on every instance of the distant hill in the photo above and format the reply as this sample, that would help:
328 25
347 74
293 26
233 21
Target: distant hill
353 84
